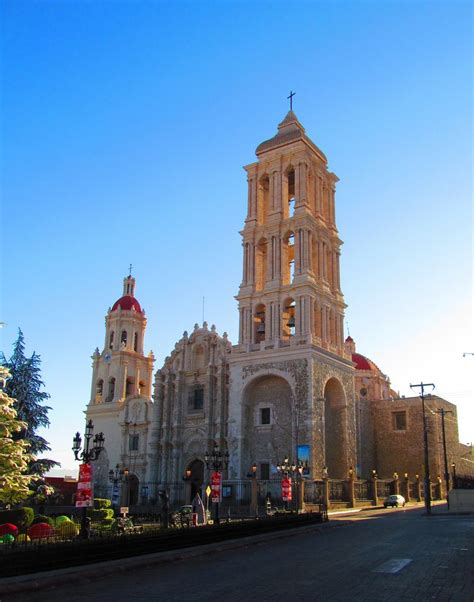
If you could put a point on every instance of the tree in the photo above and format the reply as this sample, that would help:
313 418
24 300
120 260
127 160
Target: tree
25 387
14 456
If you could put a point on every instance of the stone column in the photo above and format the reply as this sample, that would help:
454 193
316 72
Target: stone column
254 496
300 485
406 488
326 500
352 500
418 488
374 490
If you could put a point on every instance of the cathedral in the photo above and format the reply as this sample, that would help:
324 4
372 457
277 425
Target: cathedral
291 386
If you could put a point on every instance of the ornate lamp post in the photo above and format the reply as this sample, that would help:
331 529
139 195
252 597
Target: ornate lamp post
289 469
217 461
116 476
254 489
86 456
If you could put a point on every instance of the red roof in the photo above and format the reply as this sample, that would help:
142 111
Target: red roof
361 362
127 303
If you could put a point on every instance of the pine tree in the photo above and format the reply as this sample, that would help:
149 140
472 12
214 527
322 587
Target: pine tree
14 456
25 387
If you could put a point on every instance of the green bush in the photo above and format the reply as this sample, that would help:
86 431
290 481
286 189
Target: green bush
21 517
101 503
42 518
101 515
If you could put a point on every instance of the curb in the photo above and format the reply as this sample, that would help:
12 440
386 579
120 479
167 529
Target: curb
53 578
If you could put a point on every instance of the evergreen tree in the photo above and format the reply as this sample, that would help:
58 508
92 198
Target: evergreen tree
14 457
25 387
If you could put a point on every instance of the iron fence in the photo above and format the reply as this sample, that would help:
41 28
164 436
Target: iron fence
362 490
314 492
336 490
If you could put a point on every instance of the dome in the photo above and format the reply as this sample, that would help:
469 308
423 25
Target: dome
289 130
127 303
363 363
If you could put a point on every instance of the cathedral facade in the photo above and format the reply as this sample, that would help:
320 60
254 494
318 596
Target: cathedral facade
290 387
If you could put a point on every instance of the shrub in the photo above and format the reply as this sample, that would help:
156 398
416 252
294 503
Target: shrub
8 529
41 518
40 530
106 514
67 529
21 517
101 503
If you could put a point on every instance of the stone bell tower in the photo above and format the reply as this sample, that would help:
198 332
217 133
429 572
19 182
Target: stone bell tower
120 404
290 369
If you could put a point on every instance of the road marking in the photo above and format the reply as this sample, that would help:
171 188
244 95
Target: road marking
393 566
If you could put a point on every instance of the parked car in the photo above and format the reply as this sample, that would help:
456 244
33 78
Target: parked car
394 500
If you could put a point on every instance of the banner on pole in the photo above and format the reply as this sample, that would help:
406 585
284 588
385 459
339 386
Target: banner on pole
216 487
85 495
286 489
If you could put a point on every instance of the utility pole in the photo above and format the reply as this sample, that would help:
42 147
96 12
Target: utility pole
443 413
425 440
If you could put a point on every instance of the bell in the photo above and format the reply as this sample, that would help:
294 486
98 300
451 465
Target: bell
291 322
261 328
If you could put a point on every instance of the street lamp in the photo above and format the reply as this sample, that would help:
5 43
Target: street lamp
453 466
116 476
254 489
86 455
289 469
217 460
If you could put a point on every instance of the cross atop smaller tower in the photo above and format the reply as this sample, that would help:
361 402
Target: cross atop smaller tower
290 98
130 269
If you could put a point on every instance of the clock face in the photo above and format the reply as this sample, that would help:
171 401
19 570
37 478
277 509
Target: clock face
107 357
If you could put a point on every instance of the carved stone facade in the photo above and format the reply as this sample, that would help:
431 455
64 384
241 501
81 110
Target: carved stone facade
291 387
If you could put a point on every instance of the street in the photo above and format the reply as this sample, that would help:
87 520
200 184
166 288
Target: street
393 554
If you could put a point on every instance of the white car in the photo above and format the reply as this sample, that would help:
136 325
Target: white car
394 500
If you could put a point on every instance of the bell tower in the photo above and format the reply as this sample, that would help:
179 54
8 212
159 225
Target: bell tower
120 404
292 380
290 290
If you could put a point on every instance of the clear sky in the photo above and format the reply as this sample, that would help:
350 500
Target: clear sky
125 126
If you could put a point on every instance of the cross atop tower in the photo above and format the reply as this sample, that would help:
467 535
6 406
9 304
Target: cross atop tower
130 269
290 98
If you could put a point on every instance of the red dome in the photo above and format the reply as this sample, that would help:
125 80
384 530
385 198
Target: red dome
127 303
361 362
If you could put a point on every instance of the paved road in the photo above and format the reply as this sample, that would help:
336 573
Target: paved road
381 555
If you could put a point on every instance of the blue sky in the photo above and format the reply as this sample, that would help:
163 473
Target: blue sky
125 127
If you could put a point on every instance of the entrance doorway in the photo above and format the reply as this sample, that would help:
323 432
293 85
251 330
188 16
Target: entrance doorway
133 485
195 481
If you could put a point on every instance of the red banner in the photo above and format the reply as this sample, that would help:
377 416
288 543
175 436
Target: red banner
84 495
286 493
216 488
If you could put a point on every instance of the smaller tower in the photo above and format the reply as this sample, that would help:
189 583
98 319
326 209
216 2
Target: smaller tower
120 404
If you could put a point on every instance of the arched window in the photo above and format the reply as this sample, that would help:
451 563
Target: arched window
111 340
99 388
259 323
129 387
111 391
123 338
291 192
135 342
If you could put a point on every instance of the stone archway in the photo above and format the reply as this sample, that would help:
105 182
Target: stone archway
268 423
195 480
133 489
335 429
